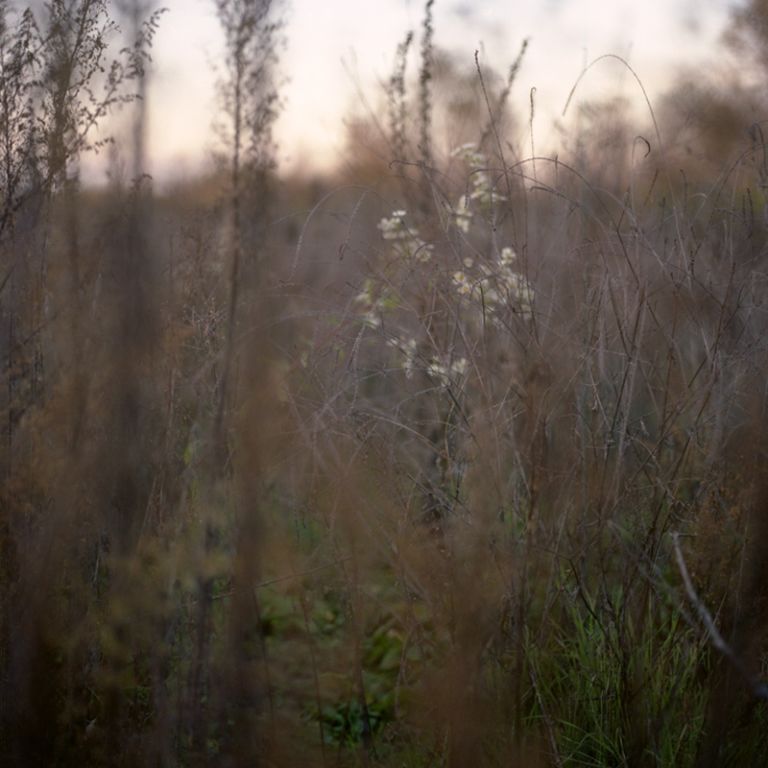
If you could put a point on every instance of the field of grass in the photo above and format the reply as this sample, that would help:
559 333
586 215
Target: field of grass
455 457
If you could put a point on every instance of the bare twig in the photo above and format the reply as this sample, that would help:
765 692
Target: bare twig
758 688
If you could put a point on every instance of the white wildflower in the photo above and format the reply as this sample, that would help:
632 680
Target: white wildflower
437 371
409 364
511 281
463 215
423 251
462 283
371 319
408 350
486 195
444 374
366 295
483 190
459 366
394 228
405 242
507 256
481 180
461 150
519 291
471 155
414 248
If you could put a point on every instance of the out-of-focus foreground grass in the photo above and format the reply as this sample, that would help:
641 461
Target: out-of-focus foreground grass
454 458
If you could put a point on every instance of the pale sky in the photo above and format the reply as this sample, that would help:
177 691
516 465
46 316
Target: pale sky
326 39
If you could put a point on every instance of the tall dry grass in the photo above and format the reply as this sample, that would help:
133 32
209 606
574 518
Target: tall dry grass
455 459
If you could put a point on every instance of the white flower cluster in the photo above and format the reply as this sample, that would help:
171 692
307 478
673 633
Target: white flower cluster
463 284
482 189
445 372
507 256
405 241
408 350
373 303
462 215
497 285
471 155
394 228
442 372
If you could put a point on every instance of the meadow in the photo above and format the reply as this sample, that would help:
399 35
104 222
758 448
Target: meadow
455 456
